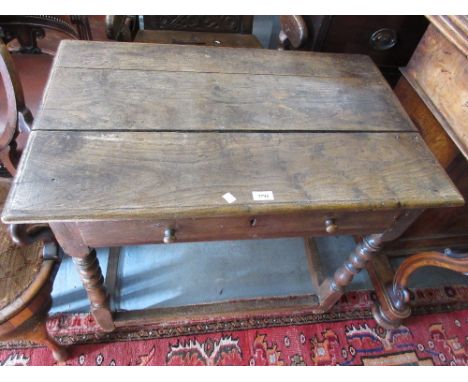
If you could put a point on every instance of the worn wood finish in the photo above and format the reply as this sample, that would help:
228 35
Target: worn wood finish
231 40
431 74
439 228
322 133
438 71
434 135
251 226
178 58
218 89
215 102
332 288
69 237
454 29
180 175
93 282
221 310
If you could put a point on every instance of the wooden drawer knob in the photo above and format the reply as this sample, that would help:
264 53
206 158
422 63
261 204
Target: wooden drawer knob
169 236
331 226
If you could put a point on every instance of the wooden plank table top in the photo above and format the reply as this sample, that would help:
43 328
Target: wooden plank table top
145 143
138 131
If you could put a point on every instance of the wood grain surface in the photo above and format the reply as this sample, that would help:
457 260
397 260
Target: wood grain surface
73 176
232 40
154 57
149 87
438 71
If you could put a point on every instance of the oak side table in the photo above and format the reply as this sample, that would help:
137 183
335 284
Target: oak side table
147 143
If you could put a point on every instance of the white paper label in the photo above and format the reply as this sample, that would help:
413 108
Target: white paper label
228 197
263 195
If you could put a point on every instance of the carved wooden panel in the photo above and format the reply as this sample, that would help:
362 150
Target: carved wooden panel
223 24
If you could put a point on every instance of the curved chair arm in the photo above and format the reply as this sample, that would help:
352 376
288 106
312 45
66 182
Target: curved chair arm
22 234
456 263
293 32
394 297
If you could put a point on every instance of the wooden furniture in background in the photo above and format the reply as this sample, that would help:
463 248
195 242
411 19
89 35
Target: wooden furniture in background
32 41
433 90
388 40
434 93
393 295
27 30
27 267
199 23
223 31
230 40
218 144
26 276
13 134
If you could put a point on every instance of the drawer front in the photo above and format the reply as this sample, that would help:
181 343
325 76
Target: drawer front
107 233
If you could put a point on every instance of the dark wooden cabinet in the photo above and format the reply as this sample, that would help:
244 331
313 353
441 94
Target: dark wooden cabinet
388 40
195 23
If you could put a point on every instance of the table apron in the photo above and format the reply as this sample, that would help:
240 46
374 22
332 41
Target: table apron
131 232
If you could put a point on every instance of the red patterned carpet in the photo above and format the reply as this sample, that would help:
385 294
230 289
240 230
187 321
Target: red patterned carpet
435 335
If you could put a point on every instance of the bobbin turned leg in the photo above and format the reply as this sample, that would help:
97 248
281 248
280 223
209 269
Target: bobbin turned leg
93 281
70 239
332 288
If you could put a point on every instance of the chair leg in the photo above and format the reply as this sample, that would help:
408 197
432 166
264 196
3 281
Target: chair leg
35 330
40 335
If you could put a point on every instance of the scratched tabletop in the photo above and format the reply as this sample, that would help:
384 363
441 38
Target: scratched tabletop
146 131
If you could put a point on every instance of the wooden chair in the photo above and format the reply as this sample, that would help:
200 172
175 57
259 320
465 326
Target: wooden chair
13 135
26 277
393 303
27 30
27 267
33 41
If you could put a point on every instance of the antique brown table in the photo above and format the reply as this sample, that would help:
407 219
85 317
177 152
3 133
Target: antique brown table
146 143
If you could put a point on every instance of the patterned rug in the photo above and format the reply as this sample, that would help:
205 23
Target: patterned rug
437 334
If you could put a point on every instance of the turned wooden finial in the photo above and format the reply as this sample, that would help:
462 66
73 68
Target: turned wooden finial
394 303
